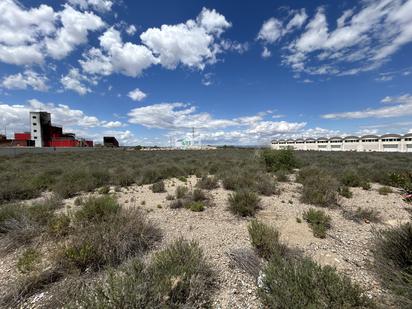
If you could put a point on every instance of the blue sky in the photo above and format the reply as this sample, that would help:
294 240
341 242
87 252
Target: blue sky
241 72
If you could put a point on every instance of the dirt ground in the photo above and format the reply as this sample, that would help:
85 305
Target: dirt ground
346 247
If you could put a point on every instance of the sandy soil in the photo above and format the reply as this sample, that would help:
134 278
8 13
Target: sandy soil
347 245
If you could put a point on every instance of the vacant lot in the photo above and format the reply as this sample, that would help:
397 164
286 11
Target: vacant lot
229 228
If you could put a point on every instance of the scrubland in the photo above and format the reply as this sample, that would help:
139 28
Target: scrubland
228 228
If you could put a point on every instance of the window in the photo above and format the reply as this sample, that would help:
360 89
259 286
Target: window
408 139
34 131
34 117
35 137
35 124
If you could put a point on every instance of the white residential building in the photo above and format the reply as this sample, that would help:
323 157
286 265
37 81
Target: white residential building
366 143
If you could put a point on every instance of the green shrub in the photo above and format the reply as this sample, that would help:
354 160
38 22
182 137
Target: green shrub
236 180
351 178
282 175
104 190
318 221
29 260
23 222
178 277
208 183
265 239
78 201
176 204
385 190
117 237
81 256
301 283
10 213
182 178
158 187
320 189
393 259
345 192
244 203
266 185
366 185
73 182
181 192
59 225
362 214
195 206
198 195
279 159
402 180
96 209
181 275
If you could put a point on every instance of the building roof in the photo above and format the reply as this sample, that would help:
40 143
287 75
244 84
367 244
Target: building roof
370 136
336 137
408 135
391 135
322 139
351 137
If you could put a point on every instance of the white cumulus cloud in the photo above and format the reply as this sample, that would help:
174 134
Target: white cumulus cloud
74 80
137 95
25 80
29 35
98 5
364 37
402 106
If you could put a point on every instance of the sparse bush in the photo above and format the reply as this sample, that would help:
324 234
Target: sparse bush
59 226
279 159
318 221
246 260
198 195
176 204
282 175
345 192
22 222
104 190
182 178
238 180
158 187
402 180
351 178
362 215
29 260
320 189
393 259
301 283
182 273
208 183
195 206
118 236
78 201
73 182
97 209
366 185
178 277
181 192
266 185
385 190
265 239
170 197
244 203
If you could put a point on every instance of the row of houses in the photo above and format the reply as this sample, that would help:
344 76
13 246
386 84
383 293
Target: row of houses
384 143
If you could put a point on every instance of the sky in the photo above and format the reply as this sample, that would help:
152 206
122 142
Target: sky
238 72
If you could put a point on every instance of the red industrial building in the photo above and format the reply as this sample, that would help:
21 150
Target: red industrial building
44 134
